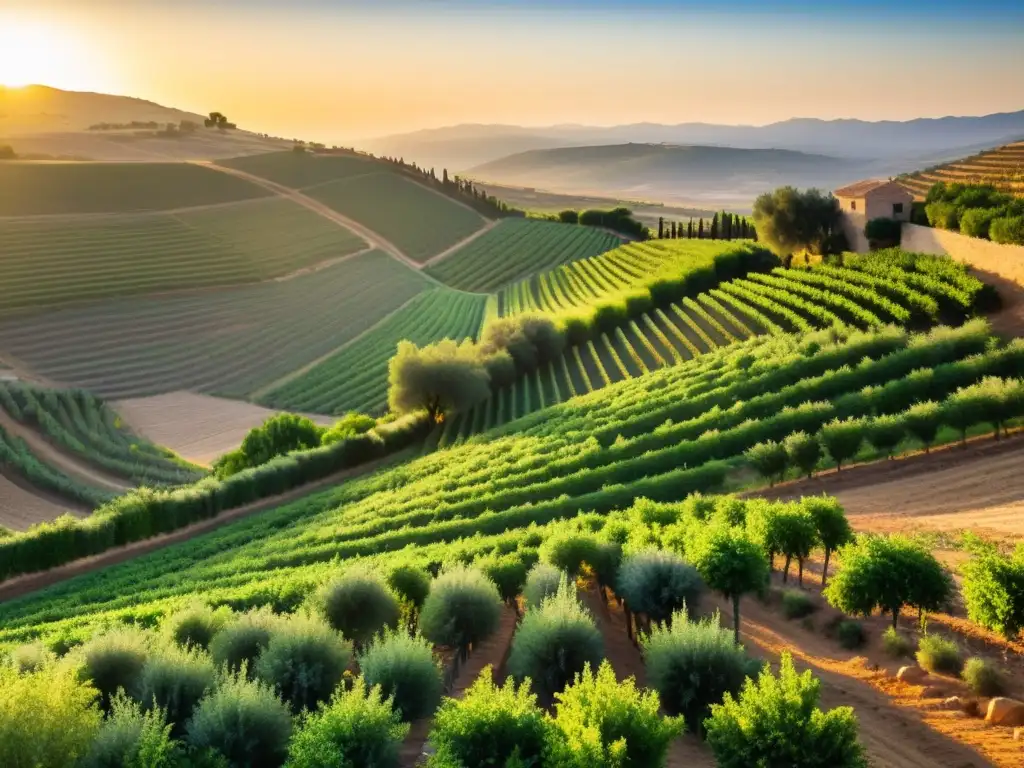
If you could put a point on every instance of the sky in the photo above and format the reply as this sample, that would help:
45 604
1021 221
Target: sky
340 70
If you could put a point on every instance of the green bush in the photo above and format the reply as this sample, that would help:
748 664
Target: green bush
797 604
508 572
895 644
304 661
692 664
349 425
769 459
357 728
659 583
243 639
410 583
541 582
604 723
569 552
922 420
850 634
555 642
993 591
359 605
883 233
174 680
132 738
31 658
843 439
406 671
775 721
489 726
937 654
975 222
279 435
1008 230
196 624
243 721
463 608
983 677
942 215
113 661
803 452
48 719
732 563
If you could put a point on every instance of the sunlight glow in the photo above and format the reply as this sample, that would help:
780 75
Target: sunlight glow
34 52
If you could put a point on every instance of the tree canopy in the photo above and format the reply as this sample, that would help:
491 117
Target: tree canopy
438 378
790 221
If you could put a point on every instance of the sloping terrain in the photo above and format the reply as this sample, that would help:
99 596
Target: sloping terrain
1002 167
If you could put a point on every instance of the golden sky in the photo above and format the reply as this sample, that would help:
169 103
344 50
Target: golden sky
337 71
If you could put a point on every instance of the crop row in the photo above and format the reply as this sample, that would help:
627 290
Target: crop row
228 342
17 457
677 430
84 425
355 378
515 248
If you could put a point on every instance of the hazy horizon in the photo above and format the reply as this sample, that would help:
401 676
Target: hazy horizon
347 71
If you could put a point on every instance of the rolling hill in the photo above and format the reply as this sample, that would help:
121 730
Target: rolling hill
1002 167
668 172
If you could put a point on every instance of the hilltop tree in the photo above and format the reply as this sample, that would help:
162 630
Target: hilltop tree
218 120
438 378
791 221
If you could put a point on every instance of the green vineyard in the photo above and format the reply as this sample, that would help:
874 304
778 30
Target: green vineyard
681 429
302 170
355 378
870 292
59 260
230 342
631 268
516 248
83 425
33 189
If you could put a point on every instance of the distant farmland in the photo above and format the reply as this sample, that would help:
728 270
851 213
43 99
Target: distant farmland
1002 167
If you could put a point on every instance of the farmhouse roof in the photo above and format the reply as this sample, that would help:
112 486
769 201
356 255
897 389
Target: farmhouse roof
863 188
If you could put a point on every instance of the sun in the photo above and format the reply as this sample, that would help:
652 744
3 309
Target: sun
34 52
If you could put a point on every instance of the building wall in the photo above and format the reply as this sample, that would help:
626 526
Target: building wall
880 201
1006 261
851 205
853 227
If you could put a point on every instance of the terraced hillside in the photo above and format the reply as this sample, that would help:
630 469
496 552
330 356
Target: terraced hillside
63 259
419 221
608 276
355 377
35 189
229 342
516 248
868 293
642 437
1002 167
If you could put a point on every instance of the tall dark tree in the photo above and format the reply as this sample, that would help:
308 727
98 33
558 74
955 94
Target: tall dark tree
689 229
444 177
661 227
674 230
714 227
700 229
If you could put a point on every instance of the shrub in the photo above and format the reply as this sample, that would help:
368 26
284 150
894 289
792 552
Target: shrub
831 524
48 719
797 604
438 378
922 420
508 572
937 654
31 658
410 583
605 723
775 721
555 642
692 664
569 552
895 644
803 452
489 726
888 572
357 728
850 634
359 605
659 583
975 222
132 738
885 432
174 681
245 722
196 625
983 677
277 436
114 661
404 668
304 661
541 582
769 459
463 608
843 439
731 563
942 215
994 591
1008 230
883 233
349 425
242 640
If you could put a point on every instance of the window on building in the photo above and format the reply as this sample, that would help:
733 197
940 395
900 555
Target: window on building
897 208
853 205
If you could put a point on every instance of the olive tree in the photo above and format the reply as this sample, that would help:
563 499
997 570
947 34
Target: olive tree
922 420
830 521
789 220
888 572
843 439
438 378
994 590
730 563
797 537
769 459
803 451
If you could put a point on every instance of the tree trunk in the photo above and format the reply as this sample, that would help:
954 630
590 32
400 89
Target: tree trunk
824 572
785 573
736 619
800 573
895 617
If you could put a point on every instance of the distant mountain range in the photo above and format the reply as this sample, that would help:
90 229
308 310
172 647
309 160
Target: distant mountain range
909 144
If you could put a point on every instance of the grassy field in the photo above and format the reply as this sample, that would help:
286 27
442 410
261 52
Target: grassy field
583 283
1003 167
47 261
29 189
516 248
229 342
301 170
355 378
788 300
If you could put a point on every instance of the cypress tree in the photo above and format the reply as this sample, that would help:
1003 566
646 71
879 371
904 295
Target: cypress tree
689 229
714 227
673 230
700 229
661 227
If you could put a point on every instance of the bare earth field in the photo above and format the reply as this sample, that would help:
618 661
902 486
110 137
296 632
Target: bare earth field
199 428
126 146
20 509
